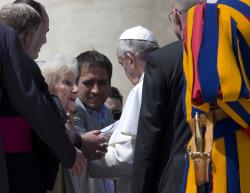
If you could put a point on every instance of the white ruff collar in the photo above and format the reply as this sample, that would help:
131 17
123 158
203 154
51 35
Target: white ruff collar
212 1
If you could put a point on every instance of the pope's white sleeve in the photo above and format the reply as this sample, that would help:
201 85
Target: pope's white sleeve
117 161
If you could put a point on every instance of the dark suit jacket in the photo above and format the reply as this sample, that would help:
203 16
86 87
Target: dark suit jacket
30 100
162 130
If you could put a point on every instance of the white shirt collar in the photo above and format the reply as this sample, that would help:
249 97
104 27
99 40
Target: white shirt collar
141 78
212 1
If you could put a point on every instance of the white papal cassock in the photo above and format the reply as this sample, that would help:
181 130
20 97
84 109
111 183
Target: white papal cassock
117 162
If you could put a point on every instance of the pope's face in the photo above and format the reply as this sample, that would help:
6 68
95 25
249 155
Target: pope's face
129 65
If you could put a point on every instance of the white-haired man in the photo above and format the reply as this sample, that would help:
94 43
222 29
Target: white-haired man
134 46
27 23
24 104
31 155
41 38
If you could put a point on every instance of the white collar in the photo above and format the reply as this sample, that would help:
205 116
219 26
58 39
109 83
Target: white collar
212 1
141 78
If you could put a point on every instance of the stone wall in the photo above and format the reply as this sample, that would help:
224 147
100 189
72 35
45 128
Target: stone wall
80 25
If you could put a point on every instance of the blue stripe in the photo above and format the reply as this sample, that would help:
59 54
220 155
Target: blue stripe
225 127
207 61
185 174
238 5
244 91
233 179
245 53
237 107
210 184
194 110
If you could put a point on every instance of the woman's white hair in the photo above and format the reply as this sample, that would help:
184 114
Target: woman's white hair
56 67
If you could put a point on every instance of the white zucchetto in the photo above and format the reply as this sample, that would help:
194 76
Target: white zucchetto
138 33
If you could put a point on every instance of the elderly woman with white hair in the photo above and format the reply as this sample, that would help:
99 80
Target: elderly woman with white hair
60 74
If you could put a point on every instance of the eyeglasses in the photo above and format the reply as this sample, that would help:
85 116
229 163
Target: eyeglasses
172 16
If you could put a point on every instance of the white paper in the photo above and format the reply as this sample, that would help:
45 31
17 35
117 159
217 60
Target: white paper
108 131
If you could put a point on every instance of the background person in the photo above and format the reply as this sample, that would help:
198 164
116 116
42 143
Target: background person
114 102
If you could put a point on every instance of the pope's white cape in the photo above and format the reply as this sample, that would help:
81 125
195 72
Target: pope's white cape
127 126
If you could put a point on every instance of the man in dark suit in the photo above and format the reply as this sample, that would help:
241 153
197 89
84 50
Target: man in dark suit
28 98
162 130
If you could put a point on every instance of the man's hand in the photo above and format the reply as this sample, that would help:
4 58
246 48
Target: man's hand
94 145
79 163
100 152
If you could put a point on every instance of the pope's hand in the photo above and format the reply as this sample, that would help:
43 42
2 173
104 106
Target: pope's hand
93 145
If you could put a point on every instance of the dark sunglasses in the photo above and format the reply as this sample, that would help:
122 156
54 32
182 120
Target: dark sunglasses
117 115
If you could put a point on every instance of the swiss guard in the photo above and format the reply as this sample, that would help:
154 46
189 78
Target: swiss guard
217 97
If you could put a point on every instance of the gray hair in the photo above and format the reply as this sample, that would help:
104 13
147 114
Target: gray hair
21 17
142 48
56 68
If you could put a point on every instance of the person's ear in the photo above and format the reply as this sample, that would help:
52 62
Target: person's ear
26 41
131 59
178 21
27 37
